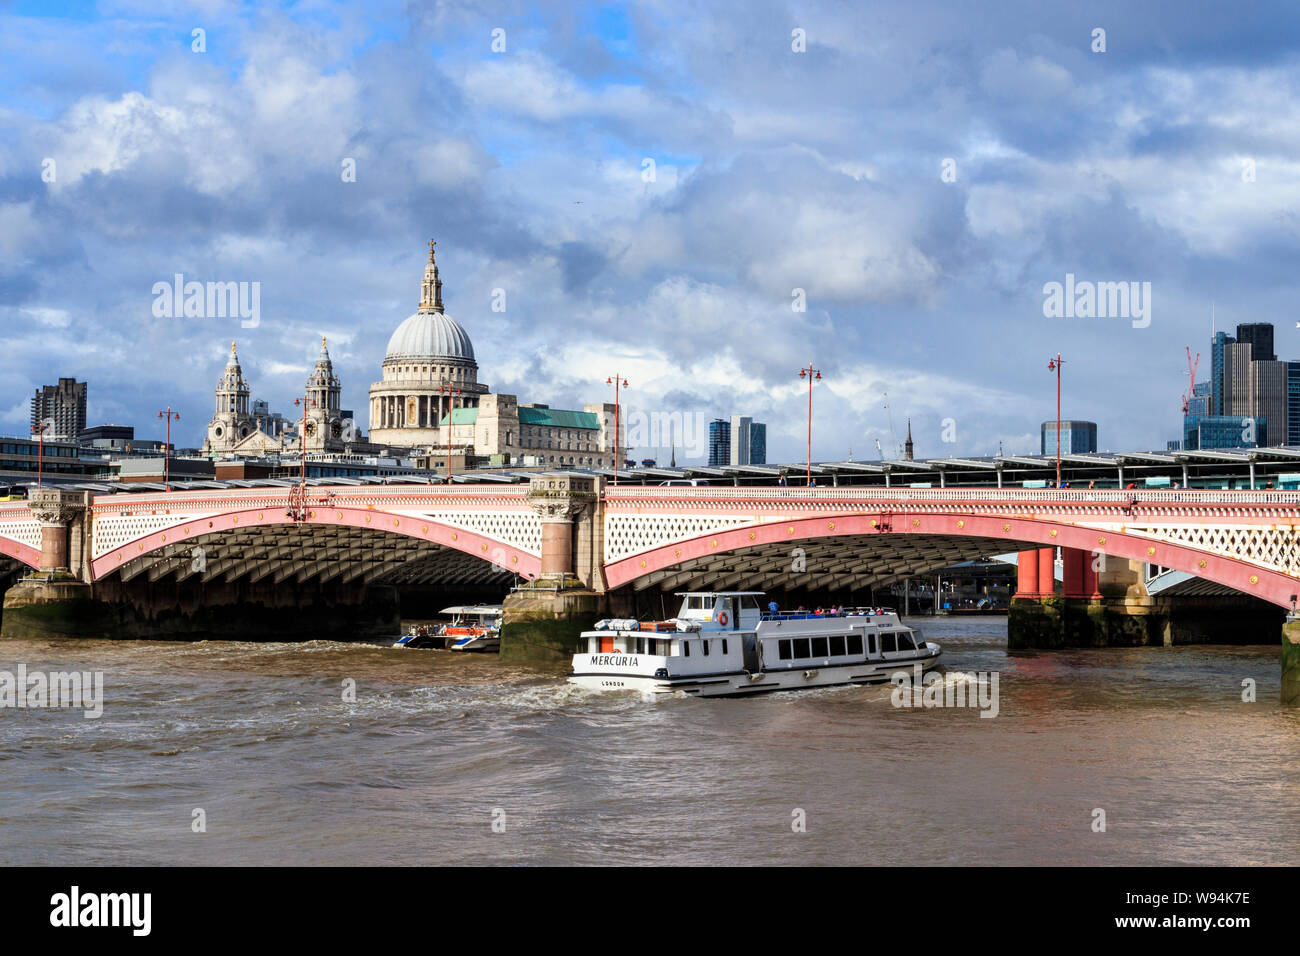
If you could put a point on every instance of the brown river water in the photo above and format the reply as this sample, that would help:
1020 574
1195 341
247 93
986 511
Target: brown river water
437 746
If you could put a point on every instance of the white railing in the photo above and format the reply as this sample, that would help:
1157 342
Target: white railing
134 501
1072 496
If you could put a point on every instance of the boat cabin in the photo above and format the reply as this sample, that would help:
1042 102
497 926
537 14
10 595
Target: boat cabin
721 610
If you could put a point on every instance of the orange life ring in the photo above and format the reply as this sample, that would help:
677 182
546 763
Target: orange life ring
722 617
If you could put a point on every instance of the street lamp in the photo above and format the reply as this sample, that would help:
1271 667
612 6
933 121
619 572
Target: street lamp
44 425
298 494
618 450
449 391
167 448
812 374
1055 365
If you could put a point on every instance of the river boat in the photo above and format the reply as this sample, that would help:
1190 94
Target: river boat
722 643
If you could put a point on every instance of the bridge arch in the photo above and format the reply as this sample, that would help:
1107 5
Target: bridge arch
363 521
1008 533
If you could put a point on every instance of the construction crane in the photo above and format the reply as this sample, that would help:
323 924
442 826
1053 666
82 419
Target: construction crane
898 448
1191 377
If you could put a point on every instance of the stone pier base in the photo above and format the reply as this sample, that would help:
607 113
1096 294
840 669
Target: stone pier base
1291 662
45 609
50 607
1058 622
542 625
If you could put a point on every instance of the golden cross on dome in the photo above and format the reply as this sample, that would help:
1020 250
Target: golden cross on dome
232 348
322 341
432 243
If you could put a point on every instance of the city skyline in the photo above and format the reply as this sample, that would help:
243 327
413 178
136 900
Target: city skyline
598 180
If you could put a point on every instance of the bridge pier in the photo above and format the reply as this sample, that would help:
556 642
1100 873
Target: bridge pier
1291 661
1112 608
56 600
542 619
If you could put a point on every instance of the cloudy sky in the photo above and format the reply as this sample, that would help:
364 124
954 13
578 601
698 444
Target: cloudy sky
650 184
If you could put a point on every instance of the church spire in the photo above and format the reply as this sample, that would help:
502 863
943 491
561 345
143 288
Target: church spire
907 447
431 287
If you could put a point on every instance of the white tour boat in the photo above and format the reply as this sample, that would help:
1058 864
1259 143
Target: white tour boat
475 627
723 644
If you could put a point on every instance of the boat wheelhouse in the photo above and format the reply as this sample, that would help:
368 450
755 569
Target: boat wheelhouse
722 643
474 627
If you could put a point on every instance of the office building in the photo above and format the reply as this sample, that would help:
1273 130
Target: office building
1077 438
1219 359
1256 388
1259 336
1205 432
62 407
719 443
1293 403
748 441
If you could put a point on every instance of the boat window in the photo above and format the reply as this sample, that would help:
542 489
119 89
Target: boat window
887 642
820 647
871 643
705 645
724 645
686 648
801 647
905 642
855 644
837 645
697 603
784 647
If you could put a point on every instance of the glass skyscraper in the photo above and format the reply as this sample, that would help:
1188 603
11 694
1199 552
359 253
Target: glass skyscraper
719 442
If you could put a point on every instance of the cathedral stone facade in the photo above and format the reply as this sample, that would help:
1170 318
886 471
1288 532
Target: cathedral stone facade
429 394
235 432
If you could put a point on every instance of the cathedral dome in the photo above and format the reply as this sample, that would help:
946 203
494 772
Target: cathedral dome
429 336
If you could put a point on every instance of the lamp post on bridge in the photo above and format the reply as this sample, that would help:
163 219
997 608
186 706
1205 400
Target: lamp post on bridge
167 446
44 425
1055 365
812 374
298 494
618 449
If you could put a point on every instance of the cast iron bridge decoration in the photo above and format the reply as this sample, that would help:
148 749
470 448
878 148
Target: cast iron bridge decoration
663 537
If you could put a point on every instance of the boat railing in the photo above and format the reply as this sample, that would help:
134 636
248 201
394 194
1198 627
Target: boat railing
823 613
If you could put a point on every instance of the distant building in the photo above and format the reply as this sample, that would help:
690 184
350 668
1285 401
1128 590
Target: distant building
719 443
1256 388
1293 403
1259 336
1204 432
1202 399
1219 358
748 441
108 437
429 394
1077 438
62 407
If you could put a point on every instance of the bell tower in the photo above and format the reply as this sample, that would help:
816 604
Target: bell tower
231 423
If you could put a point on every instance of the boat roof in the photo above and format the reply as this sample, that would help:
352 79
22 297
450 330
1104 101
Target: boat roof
472 609
719 593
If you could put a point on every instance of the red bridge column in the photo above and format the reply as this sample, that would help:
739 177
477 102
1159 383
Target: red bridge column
1074 572
1027 574
1046 572
1091 579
